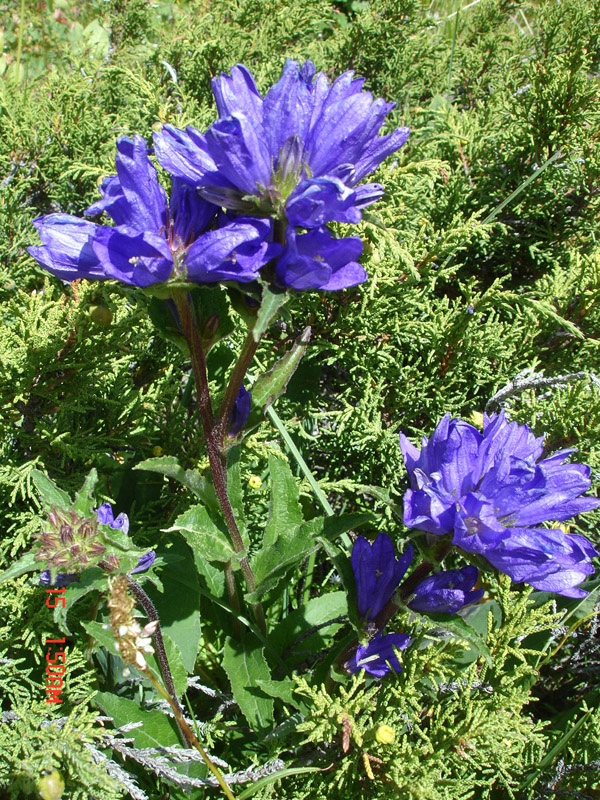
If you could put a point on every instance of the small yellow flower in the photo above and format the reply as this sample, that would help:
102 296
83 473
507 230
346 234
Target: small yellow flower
254 482
385 735
157 451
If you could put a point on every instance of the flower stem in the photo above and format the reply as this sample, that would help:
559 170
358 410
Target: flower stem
189 734
159 647
216 457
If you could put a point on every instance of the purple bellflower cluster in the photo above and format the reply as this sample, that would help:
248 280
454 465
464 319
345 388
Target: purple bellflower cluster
259 187
377 575
492 490
152 240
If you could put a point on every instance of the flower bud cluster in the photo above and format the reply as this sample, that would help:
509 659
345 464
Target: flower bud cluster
131 640
70 542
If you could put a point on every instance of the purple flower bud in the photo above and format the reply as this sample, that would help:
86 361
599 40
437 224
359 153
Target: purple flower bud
377 573
240 412
145 562
447 591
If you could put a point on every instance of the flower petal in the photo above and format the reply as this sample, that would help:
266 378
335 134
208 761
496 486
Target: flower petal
316 260
233 252
67 250
238 92
136 258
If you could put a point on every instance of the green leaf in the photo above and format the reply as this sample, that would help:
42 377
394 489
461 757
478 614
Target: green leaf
50 495
103 637
283 690
272 384
341 561
309 626
26 563
92 580
157 729
235 492
272 300
275 776
457 627
332 528
175 659
190 478
213 315
84 499
285 512
202 534
271 564
179 605
245 665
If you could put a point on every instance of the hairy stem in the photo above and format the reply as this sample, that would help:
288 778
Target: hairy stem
216 457
190 737
159 647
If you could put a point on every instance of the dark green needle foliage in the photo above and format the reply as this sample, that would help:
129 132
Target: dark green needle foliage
465 293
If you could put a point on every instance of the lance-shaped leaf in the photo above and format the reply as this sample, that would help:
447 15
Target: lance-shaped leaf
245 665
272 300
193 480
273 383
92 580
460 629
207 539
84 499
26 563
271 564
157 728
285 511
50 495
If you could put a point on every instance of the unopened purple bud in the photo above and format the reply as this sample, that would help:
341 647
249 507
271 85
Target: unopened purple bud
145 562
290 156
62 578
87 531
54 518
112 562
240 412
66 535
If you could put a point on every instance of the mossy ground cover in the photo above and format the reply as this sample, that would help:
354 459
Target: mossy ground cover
484 269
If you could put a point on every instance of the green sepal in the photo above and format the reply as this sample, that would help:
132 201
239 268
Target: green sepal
163 320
